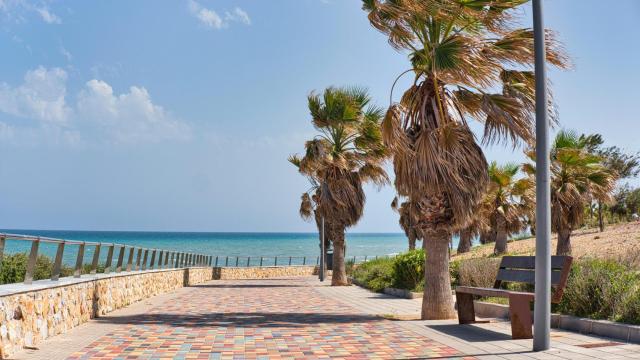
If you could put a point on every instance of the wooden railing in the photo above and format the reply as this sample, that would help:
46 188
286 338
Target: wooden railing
159 258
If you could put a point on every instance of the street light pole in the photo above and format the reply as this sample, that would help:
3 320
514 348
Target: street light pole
542 309
322 251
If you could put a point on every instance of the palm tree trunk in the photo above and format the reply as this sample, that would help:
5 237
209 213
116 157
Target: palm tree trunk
600 220
339 273
564 242
437 302
412 240
501 237
465 241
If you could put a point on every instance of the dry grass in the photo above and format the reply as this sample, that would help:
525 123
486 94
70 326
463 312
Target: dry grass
620 242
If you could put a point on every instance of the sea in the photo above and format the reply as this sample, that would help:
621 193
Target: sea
230 248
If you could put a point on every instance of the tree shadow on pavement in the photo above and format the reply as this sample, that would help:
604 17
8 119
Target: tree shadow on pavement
246 320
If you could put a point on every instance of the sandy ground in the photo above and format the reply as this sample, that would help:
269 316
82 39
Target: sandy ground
620 241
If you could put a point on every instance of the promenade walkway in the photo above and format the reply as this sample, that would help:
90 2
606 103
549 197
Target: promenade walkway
297 318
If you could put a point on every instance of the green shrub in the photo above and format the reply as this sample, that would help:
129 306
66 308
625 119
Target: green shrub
14 267
408 269
599 289
480 272
375 274
630 308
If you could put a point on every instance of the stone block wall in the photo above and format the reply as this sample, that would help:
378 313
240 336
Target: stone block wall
28 317
237 273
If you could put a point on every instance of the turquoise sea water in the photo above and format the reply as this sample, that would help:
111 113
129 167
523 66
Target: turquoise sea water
243 245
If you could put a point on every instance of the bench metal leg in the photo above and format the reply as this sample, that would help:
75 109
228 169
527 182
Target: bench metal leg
466 312
520 313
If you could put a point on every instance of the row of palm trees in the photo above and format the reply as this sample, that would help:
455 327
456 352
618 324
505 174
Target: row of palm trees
579 177
469 63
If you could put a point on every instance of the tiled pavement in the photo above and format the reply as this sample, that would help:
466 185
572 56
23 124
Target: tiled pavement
296 319
262 319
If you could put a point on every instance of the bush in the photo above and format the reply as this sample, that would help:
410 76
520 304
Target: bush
408 270
14 268
480 272
600 289
375 274
630 309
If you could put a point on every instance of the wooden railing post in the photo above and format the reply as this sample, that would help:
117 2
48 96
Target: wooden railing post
216 265
153 259
160 264
138 258
289 260
31 264
3 241
120 259
95 260
107 265
166 259
130 259
79 259
57 263
261 261
144 259
275 262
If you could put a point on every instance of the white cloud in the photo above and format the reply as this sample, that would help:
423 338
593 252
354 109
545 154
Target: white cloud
17 10
209 18
129 117
99 114
238 15
48 16
41 96
67 55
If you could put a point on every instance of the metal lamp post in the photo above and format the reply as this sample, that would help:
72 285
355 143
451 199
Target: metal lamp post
321 272
542 310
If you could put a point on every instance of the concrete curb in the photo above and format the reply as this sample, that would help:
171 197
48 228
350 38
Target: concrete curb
604 328
402 293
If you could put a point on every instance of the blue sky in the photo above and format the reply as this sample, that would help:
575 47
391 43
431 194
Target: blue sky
179 115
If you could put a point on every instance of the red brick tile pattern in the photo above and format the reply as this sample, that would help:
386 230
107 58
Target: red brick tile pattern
261 319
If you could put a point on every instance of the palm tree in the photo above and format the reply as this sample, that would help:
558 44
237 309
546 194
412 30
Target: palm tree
478 226
407 221
460 52
347 153
577 176
507 199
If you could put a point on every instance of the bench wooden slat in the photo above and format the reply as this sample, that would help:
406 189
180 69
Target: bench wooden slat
490 292
525 276
529 262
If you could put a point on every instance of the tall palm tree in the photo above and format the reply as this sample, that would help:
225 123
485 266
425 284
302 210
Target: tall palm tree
347 153
507 199
478 225
407 221
577 176
460 52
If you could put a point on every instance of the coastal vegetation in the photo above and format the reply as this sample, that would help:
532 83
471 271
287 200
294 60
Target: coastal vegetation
14 267
603 285
578 175
460 53
347 153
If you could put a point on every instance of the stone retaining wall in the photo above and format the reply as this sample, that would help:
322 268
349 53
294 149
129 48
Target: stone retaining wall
29 316
237 273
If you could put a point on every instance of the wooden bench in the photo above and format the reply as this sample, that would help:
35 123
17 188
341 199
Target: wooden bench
515 269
